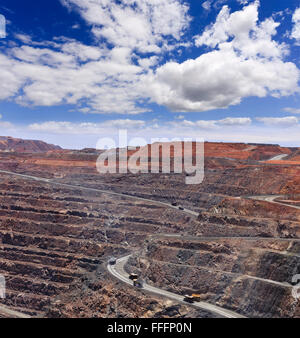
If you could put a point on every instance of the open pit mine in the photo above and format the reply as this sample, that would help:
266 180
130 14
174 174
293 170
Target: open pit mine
76 243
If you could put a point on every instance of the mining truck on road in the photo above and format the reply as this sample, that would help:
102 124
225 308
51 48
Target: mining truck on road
192 298
138 283
133 276
112 261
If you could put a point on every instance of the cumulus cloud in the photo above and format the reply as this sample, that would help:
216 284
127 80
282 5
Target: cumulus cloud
105 77
73 74
245 61
296 29
288 121
141 25
122 70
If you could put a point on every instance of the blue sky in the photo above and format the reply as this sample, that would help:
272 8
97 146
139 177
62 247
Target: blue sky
73 71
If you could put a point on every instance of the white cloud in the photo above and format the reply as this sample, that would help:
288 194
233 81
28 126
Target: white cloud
296 29
87 134
24 38
141 25
41 56
288 121
206 5
245 61
57 127
292 110
54 127
236 121
98 78
214 124
146 63
202 124
83 52
75 73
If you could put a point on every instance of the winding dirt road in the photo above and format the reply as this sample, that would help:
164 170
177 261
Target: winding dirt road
119 272
271 199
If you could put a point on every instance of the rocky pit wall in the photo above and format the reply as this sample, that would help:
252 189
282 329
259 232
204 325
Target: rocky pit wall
55 241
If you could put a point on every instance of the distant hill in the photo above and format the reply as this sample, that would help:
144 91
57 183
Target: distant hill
11 144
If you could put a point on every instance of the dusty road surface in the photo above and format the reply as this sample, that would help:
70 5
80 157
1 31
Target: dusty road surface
5 312
278 157
271 199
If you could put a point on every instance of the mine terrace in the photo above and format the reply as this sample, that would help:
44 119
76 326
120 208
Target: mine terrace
232 242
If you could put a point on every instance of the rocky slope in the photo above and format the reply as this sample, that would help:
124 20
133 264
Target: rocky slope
11 144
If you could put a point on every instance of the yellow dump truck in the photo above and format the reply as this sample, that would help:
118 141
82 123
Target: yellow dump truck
192 298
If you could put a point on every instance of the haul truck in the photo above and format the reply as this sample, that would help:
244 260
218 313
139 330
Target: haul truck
112 261
192 298
137 282
133 276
